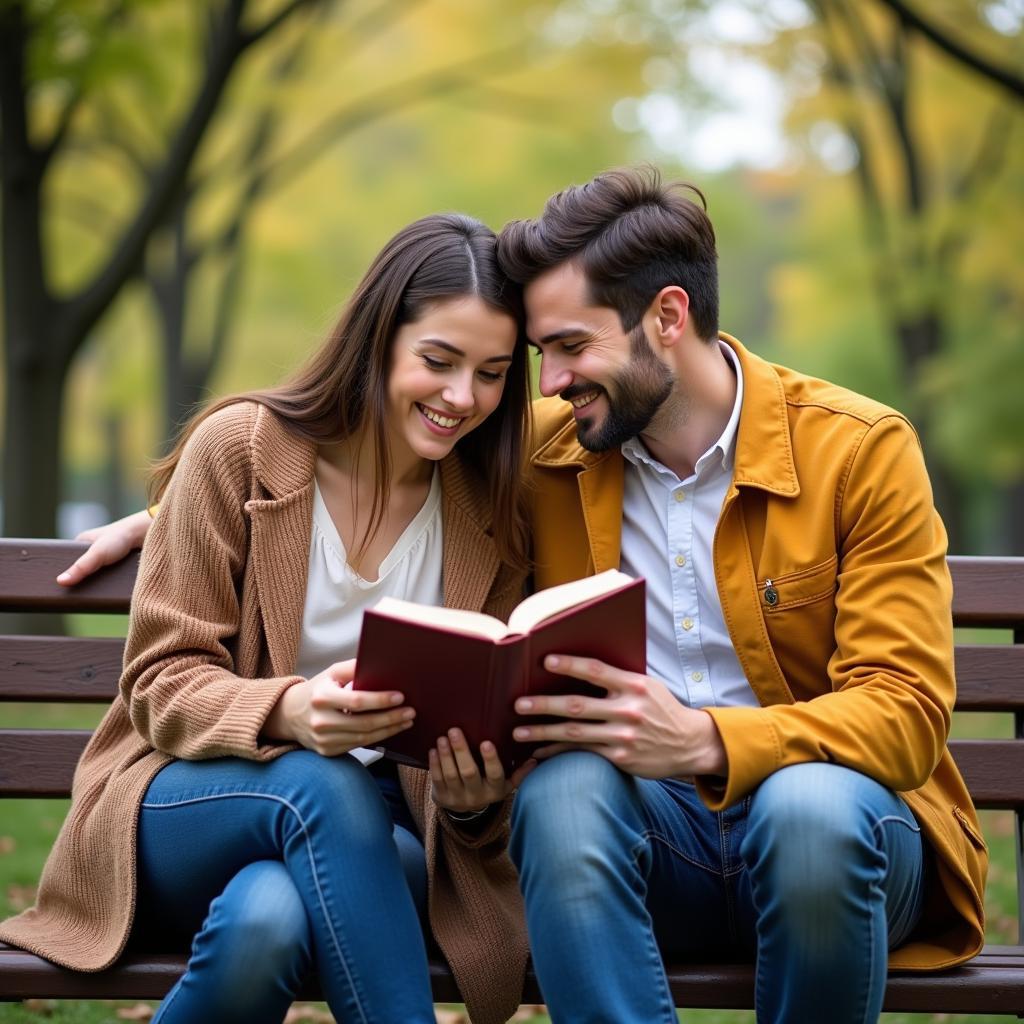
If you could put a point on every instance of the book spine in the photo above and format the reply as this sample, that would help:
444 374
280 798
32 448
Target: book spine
508 675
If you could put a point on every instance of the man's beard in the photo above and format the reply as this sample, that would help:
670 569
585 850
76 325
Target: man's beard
640 391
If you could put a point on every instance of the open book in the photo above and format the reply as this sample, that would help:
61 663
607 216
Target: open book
465 669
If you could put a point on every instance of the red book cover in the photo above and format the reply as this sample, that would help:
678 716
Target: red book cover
471 682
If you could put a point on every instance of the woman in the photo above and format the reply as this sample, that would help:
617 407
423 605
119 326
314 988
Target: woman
213 800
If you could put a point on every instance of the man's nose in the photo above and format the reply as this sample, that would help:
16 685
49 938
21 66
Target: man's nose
553 378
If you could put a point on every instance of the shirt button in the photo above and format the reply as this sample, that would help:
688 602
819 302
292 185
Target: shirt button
697 676
680 495
687 624
680 560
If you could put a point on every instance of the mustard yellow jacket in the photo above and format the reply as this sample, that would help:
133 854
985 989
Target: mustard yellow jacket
853 664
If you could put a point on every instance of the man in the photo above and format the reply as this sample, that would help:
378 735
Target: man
778 785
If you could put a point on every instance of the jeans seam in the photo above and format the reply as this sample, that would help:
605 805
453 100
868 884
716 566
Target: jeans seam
312 863
649 835
668 1004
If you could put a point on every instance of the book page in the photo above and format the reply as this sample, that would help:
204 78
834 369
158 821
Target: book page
545 603
456 620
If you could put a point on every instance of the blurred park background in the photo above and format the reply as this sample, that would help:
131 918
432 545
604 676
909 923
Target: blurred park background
190 190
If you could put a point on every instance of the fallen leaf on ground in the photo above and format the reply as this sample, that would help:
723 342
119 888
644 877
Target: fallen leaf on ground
451 1016
528 1012
8 844
42 1006
21 897
303 1013
140 1011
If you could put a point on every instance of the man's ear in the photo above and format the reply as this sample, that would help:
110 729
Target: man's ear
670 312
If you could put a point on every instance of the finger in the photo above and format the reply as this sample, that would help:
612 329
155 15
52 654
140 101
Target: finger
464 760
494 770
343 671
436 775
331 721
90 535
599 673
84 566
449 769
571 732
358 701
567 706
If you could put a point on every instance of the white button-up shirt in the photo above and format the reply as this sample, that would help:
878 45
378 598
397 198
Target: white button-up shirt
668 532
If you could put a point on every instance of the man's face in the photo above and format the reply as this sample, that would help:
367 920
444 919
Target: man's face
612 378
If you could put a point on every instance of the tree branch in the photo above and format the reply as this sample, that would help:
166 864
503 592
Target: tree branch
415 90
79 313
66 116
274 22
1004 78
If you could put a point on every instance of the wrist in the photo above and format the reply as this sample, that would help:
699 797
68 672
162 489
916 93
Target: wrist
711 758
463 816
279 724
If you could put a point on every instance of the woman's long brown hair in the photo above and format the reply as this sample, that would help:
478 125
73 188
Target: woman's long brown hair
341 392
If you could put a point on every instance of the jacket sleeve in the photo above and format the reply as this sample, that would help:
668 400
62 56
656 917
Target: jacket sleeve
179 682
890 691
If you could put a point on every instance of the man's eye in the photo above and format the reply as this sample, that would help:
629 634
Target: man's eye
571 346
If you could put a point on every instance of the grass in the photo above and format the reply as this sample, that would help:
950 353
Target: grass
28 828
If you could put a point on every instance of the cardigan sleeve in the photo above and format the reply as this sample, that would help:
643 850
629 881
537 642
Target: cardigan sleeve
891 684
179 682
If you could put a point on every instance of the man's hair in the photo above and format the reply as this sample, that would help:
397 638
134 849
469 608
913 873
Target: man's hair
632 235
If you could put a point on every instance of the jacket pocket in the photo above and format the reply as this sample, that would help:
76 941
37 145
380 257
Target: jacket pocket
968 826
793 589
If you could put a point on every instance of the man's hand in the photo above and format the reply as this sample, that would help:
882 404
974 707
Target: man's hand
639 726
456 782
109 544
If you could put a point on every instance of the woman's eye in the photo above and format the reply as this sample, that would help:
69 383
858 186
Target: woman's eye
491 376
435 364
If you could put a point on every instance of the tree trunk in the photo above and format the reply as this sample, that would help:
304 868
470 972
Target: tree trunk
32 453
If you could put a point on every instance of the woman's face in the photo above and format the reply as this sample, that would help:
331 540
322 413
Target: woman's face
447 375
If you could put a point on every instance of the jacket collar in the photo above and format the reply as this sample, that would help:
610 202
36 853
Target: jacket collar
283 461
764 454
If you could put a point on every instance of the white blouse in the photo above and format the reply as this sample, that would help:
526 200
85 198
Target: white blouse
337 596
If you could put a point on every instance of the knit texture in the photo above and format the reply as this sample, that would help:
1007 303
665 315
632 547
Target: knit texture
213 641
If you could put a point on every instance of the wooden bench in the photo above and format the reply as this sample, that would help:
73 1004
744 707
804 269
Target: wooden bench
989 592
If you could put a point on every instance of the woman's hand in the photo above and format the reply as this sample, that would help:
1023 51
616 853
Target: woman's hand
109 544
456 782
326 715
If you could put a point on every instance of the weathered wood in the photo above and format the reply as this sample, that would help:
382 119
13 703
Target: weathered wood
59 668
41 762
991 983
28 571
988 591
989 677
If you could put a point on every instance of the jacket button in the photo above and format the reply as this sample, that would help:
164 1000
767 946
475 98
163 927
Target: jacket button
771 596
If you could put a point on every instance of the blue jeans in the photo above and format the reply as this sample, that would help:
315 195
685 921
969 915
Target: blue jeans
817 875
276 869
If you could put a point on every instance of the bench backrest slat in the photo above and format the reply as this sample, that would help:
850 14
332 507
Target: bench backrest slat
60 668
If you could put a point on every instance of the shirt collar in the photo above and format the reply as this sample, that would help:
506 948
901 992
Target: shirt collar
724 448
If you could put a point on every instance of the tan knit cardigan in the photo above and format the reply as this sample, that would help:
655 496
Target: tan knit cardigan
213 641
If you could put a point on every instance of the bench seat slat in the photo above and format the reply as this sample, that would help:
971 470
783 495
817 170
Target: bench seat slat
985 985
41 762
60 668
